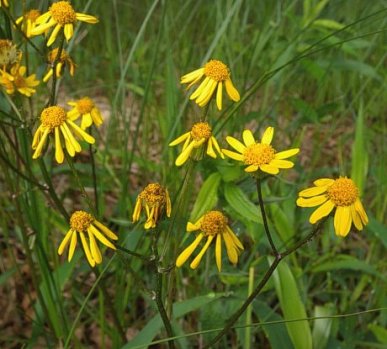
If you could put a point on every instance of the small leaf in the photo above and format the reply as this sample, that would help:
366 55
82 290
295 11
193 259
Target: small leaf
328 23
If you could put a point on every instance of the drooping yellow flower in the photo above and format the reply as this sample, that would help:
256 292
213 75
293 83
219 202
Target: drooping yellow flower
54 120
200 134
62 17
27 21
9 54
16 81
4 3
155 199
63 61
83 223
86 108
341 194
216 75
259 156
213 225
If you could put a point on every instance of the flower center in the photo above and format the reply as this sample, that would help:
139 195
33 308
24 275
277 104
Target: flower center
81 221
52 117
153 194
258 154
216 70
213 223
19 81
85 105
343 192
32 15
51 56
201 130
8 52
62 12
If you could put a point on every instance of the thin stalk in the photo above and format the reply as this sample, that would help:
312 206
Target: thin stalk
131 253
54 76
94 174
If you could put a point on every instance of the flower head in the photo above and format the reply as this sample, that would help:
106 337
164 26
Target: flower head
54 120
83 223
27 21
62 61
16 81
201 133
62 17
216 74
259 156
154 198
212 225
341 194
9 54
86 108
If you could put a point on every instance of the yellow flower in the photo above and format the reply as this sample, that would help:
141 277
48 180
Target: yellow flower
27 21
9 54
216 75
341 194
61 16
154 198
259 156
212 224
200 134
54 120
15 81
63 61
86 108
81 223
4 3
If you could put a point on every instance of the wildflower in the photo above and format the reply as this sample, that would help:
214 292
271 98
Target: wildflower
16 81
81 223
86 108
9 54
27 21
216 74
259 156
63 61
341 194
4 3
54 120
200 134
154 198
212 224
61 16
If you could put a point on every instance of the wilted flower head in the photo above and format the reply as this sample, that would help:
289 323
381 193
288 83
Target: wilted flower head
16 81
8 53
63 61
27 21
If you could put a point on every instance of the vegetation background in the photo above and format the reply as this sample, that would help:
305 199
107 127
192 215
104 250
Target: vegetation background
319 68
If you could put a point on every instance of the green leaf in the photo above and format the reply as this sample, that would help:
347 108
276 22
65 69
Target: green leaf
322 327
207 197
379 332
292 306
238 200
328 24
378 229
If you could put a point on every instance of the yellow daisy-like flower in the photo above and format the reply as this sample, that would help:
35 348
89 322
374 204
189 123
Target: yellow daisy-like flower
83 223
27 21
63 61
200 134
16 81
9 54
154 198
213 224
341 194
259 156
54 120
4 3
216 75
86 108
61 16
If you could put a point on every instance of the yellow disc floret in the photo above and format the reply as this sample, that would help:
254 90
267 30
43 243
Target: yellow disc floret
62 12
343 192
81 221
32 15
213 223
216 70
52 117
258 154
201 130
153 194
85 105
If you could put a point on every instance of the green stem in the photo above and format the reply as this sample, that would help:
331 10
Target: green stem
131 253
94 174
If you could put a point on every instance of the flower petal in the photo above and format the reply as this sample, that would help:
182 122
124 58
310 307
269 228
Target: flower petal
248 138
73 244
180 139
195 263
230 247
312 191
65 242
356 218
95 252
100 237
286 153
218 252
219 93
233 155
343 220
105 230
87 250
269 169
183 256
323 211
312 202
268 135
237 145
282 163
187 78
59 155
183 157
323 182
251 168
360 210
232 91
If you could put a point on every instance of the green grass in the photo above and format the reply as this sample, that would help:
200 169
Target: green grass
313 70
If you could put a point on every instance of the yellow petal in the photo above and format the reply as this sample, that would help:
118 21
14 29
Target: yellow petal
312 202
86 121
95 252
40 145
269 169
53 35
101 237
323 182
207 94
89 139
218 252
194 75
323 211
105 230
343 220
232 91
286 153
248 138
282 163
65 242
195 263
268 135
210 149
87 250
86 18
169 205
356 218
192 227
73 244
230 248
37 136
238 146
309 192
199 90
219 95
180 139
360 210
233 155
251 168
70 138
188 251
234 238
216 146
183 157
59 156
68 32
137 210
